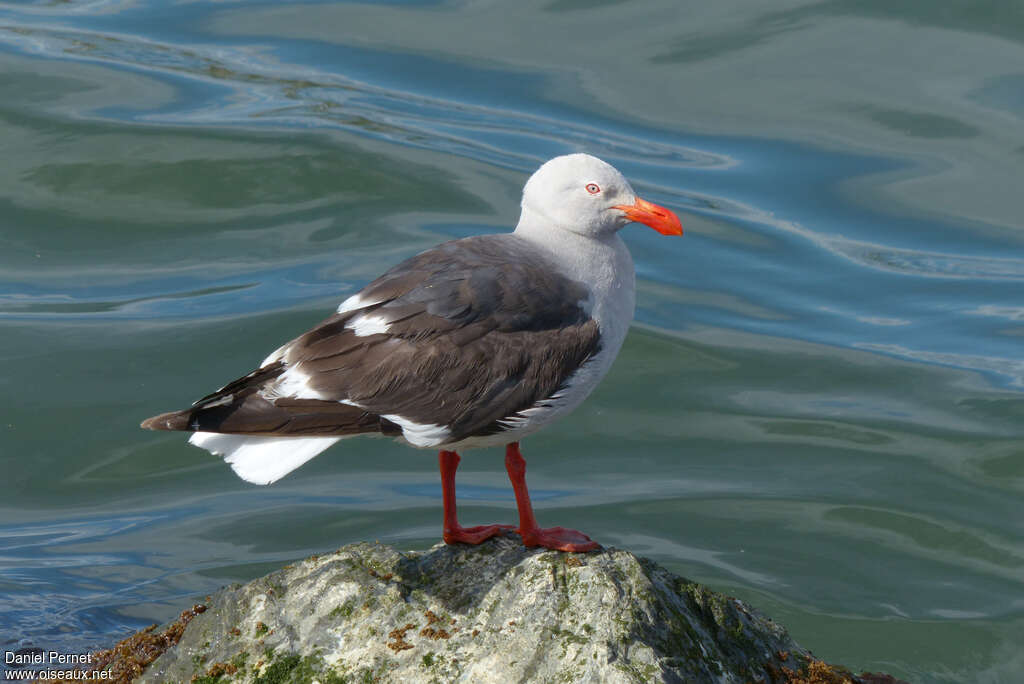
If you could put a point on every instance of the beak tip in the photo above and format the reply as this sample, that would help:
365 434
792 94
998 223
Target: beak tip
659 218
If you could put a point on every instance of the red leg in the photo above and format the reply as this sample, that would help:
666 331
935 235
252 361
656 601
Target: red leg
453 531
558 538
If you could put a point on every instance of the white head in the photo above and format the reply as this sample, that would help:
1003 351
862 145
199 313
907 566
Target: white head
582 194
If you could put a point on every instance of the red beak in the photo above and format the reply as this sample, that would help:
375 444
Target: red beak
659 218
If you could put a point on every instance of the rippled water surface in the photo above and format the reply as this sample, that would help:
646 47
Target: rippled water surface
819 408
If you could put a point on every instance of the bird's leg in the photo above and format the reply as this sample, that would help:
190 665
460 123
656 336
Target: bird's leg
453 531
558 538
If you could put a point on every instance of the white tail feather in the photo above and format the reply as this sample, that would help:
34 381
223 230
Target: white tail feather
261 460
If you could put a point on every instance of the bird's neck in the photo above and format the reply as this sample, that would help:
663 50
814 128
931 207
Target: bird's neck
601 262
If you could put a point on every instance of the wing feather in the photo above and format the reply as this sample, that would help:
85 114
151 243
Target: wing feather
465 335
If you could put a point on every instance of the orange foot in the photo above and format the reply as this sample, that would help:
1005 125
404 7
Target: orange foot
558 538
472 535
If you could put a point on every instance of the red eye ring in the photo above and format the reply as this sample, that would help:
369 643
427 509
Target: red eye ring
593 188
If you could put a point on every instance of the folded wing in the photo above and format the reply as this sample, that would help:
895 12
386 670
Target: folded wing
440 348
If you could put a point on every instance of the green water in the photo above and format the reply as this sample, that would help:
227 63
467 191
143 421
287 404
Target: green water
819 408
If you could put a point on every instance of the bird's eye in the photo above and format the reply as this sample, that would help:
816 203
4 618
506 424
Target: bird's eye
593 189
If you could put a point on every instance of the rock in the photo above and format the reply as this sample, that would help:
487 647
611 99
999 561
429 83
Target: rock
496 612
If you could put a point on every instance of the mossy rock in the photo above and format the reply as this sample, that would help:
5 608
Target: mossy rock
496 612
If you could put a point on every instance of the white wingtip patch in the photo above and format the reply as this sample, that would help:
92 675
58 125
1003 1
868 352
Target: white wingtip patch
261 460
420 434
292 383
354 302
368 324
275 355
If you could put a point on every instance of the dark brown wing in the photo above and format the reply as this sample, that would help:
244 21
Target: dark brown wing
240 408
460 336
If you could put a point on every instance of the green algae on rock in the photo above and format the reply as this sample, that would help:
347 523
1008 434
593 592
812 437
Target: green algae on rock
496 612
